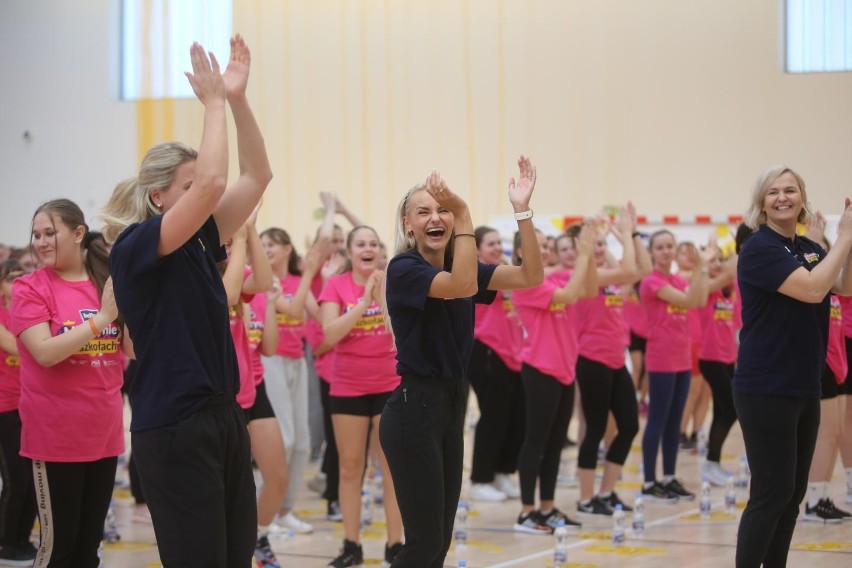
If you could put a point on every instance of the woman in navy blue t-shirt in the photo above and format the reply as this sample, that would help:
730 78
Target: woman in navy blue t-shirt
431 286
784 281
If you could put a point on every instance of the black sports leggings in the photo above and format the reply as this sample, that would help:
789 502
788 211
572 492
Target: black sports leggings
549 407
718 376
602 390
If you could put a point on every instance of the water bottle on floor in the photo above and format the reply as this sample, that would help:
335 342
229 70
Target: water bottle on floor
704 503
639 516
702 446
618 526
730 494
743 478
366 508
560 549
460 526
111 535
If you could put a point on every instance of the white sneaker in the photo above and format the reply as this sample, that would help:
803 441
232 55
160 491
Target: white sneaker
485 492
290 522
714 473
507 485
849 494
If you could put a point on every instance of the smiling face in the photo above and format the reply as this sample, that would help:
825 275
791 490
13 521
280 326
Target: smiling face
783 201
278 254
56 244
429 223
364 251
491 248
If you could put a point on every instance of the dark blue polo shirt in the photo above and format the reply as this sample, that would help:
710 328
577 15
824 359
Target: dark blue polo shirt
434 337
783 341
177 314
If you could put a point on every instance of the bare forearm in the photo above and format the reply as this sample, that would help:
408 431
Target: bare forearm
337 328
49 351
532 266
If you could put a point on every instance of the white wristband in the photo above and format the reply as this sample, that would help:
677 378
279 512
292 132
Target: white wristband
524 215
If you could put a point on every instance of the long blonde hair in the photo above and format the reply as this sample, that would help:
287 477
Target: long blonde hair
130 201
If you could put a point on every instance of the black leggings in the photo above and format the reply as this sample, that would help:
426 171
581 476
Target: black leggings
549 406
718 376
73 500
17 501
602 390
500 430
330 459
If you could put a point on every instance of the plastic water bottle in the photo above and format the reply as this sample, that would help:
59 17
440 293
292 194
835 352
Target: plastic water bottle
730 494
462 563
704 503
639 516
101 556
378 488
560 549
460 526
702 446
111 535
743 476
366 508
618 526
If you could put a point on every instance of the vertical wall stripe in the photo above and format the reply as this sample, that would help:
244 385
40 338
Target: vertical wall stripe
346 158
470 125
365 108
500 145
390 190
287 72
154 118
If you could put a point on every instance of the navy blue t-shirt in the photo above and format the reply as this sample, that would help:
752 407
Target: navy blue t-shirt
783 341
434 337
176 311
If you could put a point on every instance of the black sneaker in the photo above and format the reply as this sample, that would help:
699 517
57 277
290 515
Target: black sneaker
657 492
14 556
845 515
595 506
350 555
263 554
391 552
555 515
531 523
333 512
686 444
675 488
822 512
613 500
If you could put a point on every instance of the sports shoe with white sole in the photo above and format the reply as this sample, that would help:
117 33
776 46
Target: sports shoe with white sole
507 485
291 522
714 473
485 492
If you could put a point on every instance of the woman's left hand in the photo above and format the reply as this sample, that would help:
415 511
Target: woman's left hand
521 191
237 72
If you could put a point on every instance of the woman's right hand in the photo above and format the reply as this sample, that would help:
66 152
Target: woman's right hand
586 240
374 283
844 225
206 80
438 189
274 291
108 305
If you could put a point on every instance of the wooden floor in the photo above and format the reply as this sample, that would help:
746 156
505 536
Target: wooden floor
675 535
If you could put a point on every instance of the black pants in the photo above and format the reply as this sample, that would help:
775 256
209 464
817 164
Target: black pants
500 430
17 501
780 435
330 459
421 434
602 390
199 486
72 500
719 376
549 408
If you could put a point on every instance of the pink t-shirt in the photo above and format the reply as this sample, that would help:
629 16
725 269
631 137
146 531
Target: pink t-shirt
257 323
634 313
291 331
248 393
550 342
668 349
10 377
718 324
497 325
836 357
695 332
846 310
603 334
73 410
364 360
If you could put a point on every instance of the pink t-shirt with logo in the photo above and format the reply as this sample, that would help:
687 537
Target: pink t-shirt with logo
668 349
719 328
634 313
836 357
497 325
248 392
364 360
550 341
73 410
603 334
291 331
846 310
257 323
10 376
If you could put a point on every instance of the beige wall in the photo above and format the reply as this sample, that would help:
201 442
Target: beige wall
677 104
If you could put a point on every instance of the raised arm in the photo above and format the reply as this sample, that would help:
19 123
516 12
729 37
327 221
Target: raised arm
204 187
341 208
833 273
644 264
243 195
260 278
625 271
531 271
48 349
335 326
269 340
295 306
695 295
232 278
461 281
583 281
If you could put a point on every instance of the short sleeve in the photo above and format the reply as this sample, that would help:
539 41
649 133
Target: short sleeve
651 285
29 307
765 264
330 292
483 278
135 251
537 298
408 281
